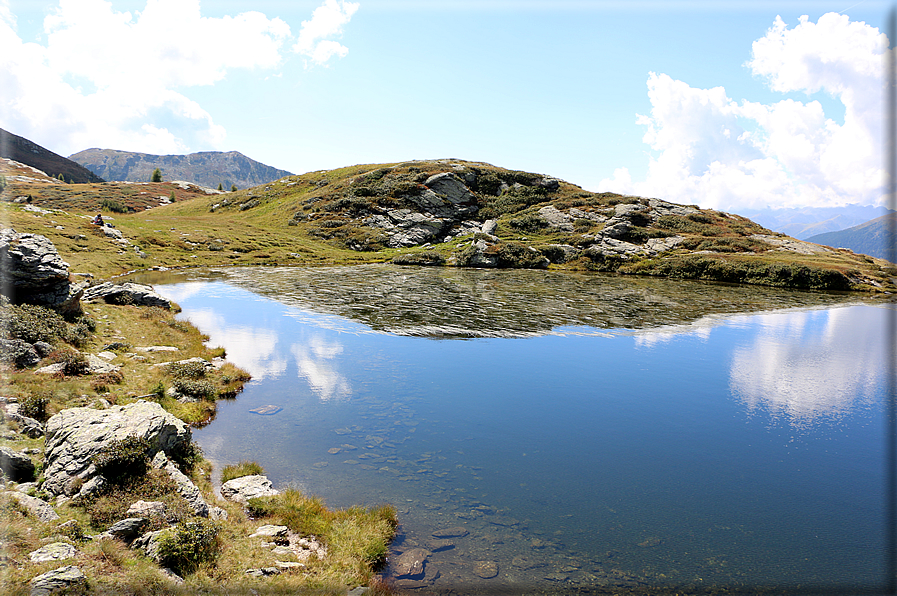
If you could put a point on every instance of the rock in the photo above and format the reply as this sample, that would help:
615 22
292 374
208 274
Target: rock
157 349
247 487
51 369
410 564
549 184
186 488
263 572
127 529
451 187
457 532
147 509
27 426
76 435
99 366
438 546
108 356
57 551
31 270
126 293
18 353
525 563
557 219
92 486
280 551
171 576
149 542
269 531
217 514
359 591
43 348
64 578
560 253
489 227
36 507
16 466
26 487
485 569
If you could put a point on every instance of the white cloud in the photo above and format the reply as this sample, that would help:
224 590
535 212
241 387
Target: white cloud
716 152
326 21
111 79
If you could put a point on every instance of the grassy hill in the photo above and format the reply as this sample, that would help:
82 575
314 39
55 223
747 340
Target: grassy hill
435 212
207 168
873 237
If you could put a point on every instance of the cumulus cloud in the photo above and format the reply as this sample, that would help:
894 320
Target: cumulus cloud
115 79
716 152
326 21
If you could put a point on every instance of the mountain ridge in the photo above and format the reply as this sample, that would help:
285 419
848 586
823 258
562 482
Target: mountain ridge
873 237
206 168
31 154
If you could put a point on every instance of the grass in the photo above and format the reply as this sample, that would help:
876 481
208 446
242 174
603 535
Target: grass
244 468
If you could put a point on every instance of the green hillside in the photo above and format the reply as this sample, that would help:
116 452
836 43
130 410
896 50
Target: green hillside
451 213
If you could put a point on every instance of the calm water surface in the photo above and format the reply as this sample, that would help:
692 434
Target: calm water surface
587 431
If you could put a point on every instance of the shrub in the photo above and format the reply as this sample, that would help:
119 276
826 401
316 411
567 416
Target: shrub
529 223
114 206
516 255
249 204
100 383
186 370
514 200
157 175
190 544
187 456
75 362
35 406
156 485
244 468
32 323
419 258
195 388
123 459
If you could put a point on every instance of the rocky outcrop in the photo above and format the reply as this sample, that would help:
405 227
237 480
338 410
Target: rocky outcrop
247 487
36 507
27 426
126 293
18 353
31 271
16 466
75 436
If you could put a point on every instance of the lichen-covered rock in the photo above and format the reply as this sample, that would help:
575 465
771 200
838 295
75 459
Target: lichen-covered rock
247 487
36 507
63 578
16 466
75 436
127 529
56 551
126 293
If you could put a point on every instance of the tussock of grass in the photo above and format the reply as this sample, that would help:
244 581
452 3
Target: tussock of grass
244 468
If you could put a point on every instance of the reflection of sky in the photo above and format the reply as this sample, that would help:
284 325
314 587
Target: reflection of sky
314 363
252 349
812 364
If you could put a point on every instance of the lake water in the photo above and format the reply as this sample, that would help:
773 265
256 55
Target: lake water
590 432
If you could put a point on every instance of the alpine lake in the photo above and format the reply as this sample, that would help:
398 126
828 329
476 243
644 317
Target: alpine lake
553 432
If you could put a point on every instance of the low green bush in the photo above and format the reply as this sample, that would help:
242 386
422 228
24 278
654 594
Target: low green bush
76 363
419 258
189 544
114 206
35 406
200 388
123 459
186 370
31 323
529 223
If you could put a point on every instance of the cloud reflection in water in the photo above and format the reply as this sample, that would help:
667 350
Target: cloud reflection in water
313 364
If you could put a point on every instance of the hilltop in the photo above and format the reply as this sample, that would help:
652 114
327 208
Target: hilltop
445 212
207 168
26 152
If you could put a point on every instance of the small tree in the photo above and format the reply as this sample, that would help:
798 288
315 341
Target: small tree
60 177
2 182
157 175
220 187
171 197
233 188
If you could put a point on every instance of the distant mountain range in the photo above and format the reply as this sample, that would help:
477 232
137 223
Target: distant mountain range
207 168
870 238
24 151
804 222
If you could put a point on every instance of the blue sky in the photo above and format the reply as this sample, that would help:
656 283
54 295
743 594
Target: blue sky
668 99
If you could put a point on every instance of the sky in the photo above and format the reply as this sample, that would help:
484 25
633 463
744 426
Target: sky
726 105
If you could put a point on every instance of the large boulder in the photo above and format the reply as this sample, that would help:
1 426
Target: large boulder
126 293
75 436
31 271
68 578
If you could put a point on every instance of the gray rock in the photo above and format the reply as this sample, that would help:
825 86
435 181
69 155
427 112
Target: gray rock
92 486
217 514
36 507
31 270
451 187
147 509
57 551
76 435
263 572
556 219
269 531
247 487
127 529
549 184
489 226
560 253
43 348
63 578
18 352
457 532
16 466
485 569
126 293
99 366
186 488
51 369
150 543
411 563
172 576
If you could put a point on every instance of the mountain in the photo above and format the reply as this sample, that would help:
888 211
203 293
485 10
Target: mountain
870 238
206 168
24 151
803 222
